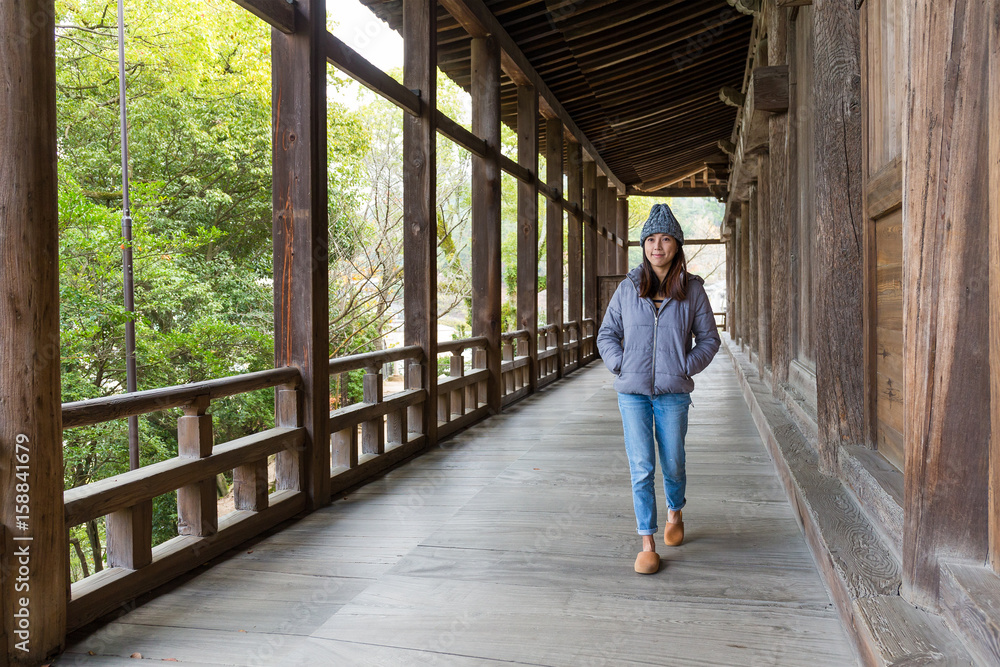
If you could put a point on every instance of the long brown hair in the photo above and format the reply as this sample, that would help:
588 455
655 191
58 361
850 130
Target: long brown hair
674 285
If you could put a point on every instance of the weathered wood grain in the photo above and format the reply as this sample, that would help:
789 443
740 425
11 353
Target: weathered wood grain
30 421
970 597
300 230
839 228
994 277
527 225
945 209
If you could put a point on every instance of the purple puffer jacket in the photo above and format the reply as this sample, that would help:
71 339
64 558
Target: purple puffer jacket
651 352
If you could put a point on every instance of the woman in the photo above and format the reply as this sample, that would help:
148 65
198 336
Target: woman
645 340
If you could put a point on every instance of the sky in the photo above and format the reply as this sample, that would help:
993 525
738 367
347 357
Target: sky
366 33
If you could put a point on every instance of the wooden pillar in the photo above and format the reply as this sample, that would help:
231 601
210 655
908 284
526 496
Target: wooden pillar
419 205
574 236
837 258
754 249
764 264
611 215
744 277
945 291
486 210
590 241
994 187
777 54
554 223
527 225
622 214
299 194
35 551
603 245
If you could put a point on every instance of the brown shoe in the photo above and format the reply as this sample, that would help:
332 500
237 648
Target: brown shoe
647 562
673 535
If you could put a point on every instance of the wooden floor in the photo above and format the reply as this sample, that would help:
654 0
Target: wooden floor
513 543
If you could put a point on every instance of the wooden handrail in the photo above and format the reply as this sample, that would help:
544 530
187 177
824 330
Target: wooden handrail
462 344
130 488
372 360
107 408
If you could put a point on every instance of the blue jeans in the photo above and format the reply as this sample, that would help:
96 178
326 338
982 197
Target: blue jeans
664 417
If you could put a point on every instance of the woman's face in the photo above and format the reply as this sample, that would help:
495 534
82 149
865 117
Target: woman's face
660 250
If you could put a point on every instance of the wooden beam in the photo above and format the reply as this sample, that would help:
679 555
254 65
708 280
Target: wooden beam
486 205
419 205
461 136
299 195
477 19
527 225
554 224
770 88
574 235
670 192
590 242
278 13
355 65
946 320
36 545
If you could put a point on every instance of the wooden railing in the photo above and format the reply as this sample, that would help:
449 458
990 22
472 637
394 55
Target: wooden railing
462 396
126 500
515 368
368 437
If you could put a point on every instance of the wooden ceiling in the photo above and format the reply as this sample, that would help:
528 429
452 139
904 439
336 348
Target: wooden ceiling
641 78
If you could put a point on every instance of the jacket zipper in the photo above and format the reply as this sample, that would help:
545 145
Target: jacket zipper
656 328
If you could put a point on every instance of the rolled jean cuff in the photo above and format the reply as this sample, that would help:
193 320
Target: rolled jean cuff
651 531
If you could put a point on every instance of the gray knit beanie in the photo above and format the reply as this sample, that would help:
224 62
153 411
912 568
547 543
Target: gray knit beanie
661 221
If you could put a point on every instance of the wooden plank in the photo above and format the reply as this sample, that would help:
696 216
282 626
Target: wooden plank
486 261
971 600
352 63
461 136
419 206
130 536
30 422
527 224
770 88
300 234
839 357
632 191
946 253
590 242
135 486
884 191
278 13
478 20
889 297
574 234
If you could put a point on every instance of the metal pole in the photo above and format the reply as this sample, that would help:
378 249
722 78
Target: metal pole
130 369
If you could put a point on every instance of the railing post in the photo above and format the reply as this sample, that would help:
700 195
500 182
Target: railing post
457 370
130 536
30 416
373 431
419 197
289 464
415 413
197 508
508 355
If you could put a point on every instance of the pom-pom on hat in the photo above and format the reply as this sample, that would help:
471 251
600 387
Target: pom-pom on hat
661 221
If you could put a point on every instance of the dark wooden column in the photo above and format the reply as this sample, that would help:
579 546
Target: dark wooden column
419 203
945 289
299 186
554 223
744 278
574 236
839 224
777 54
604 248
753 334
622 215
611 215
764 264
590 242
994 259
486 210
527 224
35 552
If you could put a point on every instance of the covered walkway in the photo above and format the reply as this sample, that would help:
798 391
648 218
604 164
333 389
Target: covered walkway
513 542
